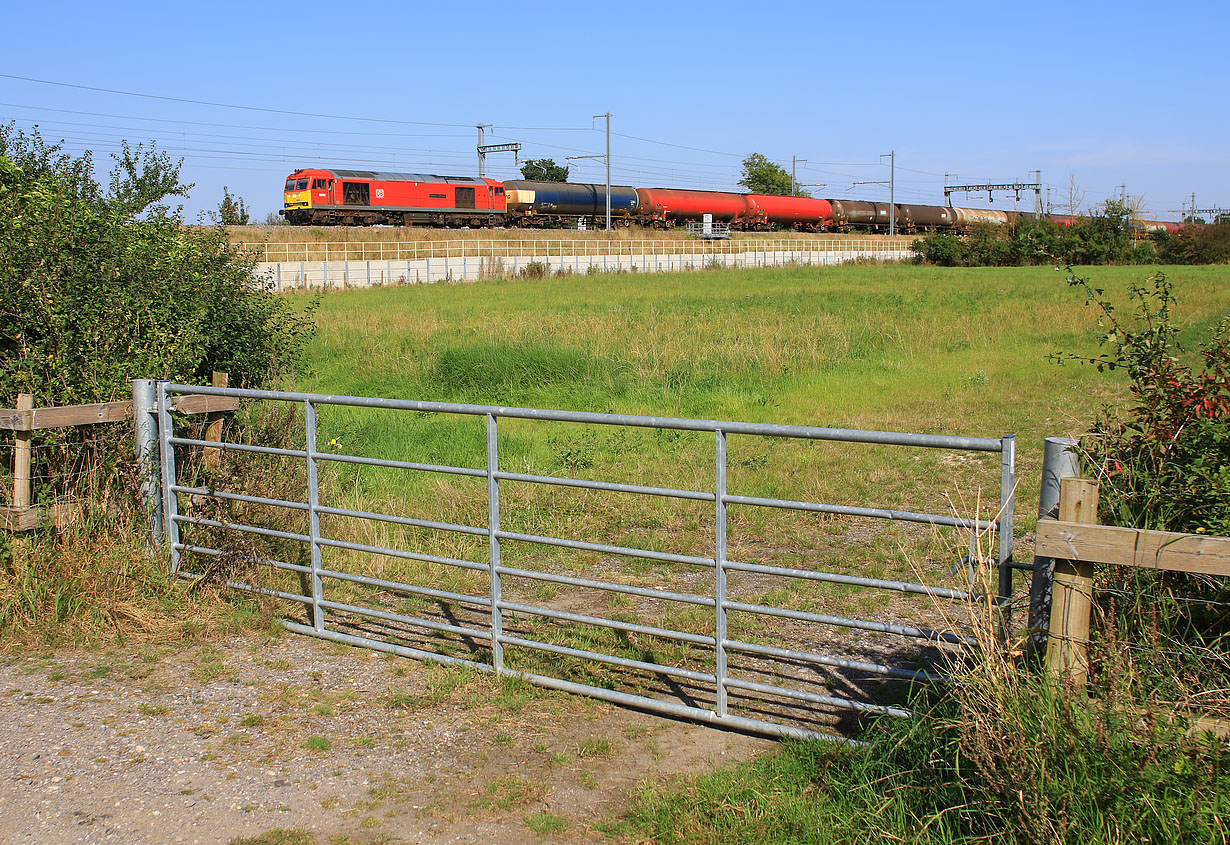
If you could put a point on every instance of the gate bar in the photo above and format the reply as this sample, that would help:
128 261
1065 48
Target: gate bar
170 500
861 624
493 533
1007 489
855 580
309 426
835 662
851 510
597 621
405 555
719 570
886 438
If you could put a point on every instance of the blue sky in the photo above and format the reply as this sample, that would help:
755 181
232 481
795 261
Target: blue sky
1113 94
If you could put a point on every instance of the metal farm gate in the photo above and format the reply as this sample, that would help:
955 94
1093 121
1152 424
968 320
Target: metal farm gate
765 658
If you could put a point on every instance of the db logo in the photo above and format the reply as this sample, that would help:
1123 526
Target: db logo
380 193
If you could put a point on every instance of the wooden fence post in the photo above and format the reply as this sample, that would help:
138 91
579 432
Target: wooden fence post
21 457
22 454
213 431
1067 653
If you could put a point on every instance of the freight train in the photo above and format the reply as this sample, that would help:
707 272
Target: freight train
316 197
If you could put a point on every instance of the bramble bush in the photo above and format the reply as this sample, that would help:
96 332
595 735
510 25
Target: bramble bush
1165 464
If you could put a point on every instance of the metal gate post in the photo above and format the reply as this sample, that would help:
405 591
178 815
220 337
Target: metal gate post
309 425
1007 493
493 528
145 421
1059 460
719 569
170 500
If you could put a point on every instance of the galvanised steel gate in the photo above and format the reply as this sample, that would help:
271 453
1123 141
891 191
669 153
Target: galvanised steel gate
691 675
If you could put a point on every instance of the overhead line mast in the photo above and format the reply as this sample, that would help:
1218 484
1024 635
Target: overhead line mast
990 187
607 158
483 149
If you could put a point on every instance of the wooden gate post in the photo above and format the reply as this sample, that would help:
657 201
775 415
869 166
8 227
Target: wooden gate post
1067 652
213 431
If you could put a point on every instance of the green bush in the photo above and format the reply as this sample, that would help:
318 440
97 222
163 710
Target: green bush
1103 238
1195 243
101 286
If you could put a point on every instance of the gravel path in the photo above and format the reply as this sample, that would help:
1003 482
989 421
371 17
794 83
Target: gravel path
208 743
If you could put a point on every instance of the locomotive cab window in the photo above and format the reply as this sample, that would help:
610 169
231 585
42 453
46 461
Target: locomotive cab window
302 184
356 193
290 185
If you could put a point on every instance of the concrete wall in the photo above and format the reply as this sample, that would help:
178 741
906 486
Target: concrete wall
289 275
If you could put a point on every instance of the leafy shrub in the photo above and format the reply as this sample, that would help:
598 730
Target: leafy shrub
534 270
101 286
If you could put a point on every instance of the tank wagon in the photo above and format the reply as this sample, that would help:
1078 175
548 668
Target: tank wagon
666 207
539 203
803 213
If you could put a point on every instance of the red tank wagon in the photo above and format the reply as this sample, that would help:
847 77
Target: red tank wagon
367 198
806 213
665 207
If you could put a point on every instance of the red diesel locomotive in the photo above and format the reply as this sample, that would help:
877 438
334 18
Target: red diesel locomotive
367 198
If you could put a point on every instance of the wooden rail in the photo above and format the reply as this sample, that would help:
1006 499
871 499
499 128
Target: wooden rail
25 418
1077 543
1134 547
68 416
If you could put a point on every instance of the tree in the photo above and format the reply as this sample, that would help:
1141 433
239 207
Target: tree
232 212
1076 196
544 170
761 176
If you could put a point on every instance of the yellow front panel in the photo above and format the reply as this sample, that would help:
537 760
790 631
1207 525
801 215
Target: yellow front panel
298 199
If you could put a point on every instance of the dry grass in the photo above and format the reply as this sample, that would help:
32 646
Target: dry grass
354 234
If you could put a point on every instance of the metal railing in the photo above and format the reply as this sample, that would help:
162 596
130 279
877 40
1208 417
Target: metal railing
491 626
560 247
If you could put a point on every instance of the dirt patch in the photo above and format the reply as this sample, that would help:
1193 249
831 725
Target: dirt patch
207 743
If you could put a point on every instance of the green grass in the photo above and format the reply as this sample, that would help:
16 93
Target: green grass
1037 767
954 351
545 822
317 743
278 836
